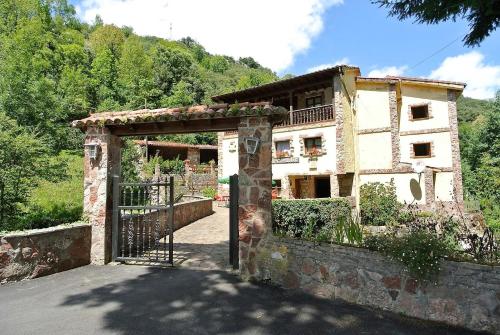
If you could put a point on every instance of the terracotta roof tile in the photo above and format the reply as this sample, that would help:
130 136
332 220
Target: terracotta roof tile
179 114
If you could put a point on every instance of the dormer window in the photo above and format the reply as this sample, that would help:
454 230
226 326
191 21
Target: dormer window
419 112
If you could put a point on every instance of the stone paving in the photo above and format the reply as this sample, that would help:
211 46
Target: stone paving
204 243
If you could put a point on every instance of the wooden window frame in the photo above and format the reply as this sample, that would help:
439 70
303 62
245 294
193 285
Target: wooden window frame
275 144
429 111
320 151
430 145
313 97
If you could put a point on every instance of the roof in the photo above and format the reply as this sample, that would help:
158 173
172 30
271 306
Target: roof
166 144
281 86
412 80
201 112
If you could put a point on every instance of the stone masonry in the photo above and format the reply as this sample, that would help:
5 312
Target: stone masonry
466 294
254 191
98 190
40 252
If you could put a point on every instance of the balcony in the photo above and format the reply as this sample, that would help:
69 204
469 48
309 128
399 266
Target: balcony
308 115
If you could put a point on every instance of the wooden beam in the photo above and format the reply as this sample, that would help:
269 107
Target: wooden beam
175 127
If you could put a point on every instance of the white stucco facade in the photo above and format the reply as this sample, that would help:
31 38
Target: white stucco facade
380 129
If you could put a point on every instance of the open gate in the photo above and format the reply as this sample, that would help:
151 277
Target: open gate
143 221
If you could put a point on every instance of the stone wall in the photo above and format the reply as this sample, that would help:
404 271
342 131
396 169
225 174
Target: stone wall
186 212
40 252
466 295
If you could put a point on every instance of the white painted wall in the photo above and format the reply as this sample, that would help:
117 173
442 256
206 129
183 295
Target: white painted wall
372 106
326 164
442 149
443 184
407 185
438 97
375 151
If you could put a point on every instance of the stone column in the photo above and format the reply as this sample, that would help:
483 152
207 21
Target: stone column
97 201
193 155
255 191
334 186
458 192
285 187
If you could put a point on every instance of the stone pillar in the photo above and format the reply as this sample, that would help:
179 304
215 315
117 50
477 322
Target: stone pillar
255 188
97 200
285 188
334 186
458 192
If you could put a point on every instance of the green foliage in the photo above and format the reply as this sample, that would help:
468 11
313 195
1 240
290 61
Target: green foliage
224 180
53 203
24 162
169 167
130 157
209 192
308 218
483 16
378 204
480 152
419 251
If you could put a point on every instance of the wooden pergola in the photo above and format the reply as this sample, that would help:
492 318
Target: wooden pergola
251 120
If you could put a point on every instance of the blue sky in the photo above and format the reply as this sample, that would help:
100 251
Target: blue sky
292 36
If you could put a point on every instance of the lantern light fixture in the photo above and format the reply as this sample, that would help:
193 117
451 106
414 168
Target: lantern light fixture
93 149
251 144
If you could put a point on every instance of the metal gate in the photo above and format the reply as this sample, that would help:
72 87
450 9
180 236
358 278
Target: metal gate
234 243
143 221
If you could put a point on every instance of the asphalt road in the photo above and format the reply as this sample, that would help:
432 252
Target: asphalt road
127 299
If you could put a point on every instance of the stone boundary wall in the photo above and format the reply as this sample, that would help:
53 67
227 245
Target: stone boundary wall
40 252
467 295
185 213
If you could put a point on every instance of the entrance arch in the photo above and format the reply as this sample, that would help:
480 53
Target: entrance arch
253 121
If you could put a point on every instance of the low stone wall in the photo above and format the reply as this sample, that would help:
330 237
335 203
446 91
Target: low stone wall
40 252
466 295
186 212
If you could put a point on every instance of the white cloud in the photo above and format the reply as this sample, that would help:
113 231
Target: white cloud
272 32
388 71
482 80
342 61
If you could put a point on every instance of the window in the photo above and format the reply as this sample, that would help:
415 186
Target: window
421 150
282 149
419 112
314 101
312 145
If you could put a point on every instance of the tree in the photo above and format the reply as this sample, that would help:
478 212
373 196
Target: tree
483 15
169 67
24 161
135 71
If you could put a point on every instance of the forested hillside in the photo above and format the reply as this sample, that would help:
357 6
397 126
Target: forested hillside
54 68
479 132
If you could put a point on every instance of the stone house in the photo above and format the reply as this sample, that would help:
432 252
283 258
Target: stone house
345 130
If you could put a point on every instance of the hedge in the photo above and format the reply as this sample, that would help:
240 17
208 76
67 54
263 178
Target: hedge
307 218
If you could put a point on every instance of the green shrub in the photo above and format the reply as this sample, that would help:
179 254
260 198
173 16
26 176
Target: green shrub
378 204
308 219
209 192
53 203
420 252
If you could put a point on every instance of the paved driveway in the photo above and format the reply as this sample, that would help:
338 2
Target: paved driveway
196 297
130 299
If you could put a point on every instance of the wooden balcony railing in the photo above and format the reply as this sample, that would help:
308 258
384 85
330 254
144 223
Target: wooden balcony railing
305 116
309 115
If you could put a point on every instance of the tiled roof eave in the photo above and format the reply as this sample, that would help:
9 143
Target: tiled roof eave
179 114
